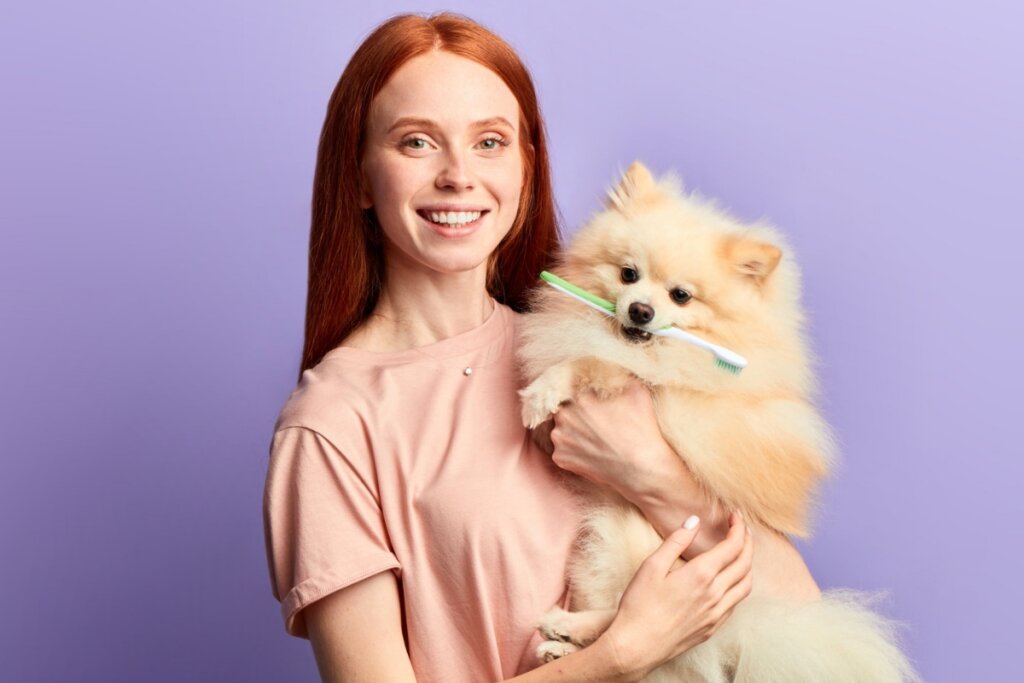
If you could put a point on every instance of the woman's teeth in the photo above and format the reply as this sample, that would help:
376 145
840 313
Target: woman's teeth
453 217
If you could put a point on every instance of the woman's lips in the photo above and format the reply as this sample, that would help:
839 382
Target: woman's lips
452 230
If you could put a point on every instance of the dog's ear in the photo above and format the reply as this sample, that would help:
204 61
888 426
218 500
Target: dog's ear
752 257
637 185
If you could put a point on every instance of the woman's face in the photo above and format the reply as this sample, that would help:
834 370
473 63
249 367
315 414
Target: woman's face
442 165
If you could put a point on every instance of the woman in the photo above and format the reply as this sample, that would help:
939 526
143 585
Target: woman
414 530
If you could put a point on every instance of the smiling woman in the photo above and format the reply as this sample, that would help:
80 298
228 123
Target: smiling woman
414 529
445 187
346 257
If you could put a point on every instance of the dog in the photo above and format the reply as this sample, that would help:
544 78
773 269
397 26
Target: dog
754 440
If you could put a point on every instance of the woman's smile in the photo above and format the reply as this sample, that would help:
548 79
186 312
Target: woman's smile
443 165
453 223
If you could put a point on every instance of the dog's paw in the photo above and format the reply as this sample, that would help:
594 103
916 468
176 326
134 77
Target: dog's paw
550 650
555 625
603 378
540 401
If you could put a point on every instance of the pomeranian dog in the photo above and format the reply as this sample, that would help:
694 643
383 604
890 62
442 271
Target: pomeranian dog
754 440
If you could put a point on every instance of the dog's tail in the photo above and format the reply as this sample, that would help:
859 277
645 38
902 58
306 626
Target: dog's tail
839 639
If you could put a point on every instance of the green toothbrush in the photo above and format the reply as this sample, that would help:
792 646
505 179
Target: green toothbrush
730 361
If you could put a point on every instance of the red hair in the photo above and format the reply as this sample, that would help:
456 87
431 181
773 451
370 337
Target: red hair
346 253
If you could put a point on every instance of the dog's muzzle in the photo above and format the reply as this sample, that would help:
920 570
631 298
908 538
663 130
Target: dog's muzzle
640 314
635 334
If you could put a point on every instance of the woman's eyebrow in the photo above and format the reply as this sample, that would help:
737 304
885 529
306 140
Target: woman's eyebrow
427 123
493 121
412 121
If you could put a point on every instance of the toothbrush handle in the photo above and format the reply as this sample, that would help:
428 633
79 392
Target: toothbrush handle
595 306
726 355
673 331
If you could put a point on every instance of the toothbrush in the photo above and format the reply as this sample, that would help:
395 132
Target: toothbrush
730 361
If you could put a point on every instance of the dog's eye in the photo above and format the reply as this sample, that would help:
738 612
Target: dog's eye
629 275
680 295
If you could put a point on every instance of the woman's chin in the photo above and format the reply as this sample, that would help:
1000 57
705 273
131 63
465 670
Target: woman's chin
434 255
452 262
463 257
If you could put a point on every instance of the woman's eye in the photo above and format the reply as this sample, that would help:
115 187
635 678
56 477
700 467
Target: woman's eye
629 275
680 295
415 143
491 144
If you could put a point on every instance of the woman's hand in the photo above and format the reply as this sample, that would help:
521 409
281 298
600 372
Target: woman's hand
667 609
612 441
617 443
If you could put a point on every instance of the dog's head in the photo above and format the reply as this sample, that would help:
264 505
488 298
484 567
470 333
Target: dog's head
668 258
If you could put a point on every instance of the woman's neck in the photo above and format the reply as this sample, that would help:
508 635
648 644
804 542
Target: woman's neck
417 309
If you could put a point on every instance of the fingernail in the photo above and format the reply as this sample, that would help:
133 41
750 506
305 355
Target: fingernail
691 522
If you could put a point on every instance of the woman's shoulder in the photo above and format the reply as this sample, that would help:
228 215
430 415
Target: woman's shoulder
354 387
326 400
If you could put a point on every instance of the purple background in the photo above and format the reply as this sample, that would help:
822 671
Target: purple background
156 171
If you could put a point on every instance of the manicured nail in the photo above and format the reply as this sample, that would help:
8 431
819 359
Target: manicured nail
691 522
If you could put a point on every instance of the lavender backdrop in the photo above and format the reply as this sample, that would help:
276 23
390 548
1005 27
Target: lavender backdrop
156 170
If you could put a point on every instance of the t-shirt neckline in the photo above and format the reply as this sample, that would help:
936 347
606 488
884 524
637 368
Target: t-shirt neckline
479 337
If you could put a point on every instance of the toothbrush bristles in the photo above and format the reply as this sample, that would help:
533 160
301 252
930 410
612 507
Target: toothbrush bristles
728 367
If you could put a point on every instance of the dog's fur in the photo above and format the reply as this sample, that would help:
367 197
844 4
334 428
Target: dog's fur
755 441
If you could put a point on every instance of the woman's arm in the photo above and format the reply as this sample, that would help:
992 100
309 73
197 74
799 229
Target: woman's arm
618 443
357 637
668 607
357 634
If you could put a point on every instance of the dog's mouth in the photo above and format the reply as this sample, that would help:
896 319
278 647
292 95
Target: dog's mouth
635 334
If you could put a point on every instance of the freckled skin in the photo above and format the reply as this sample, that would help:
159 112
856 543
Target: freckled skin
444 157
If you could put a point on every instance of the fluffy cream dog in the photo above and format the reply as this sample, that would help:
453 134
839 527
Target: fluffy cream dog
754 440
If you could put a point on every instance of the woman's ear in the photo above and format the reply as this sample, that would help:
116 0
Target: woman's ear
365 198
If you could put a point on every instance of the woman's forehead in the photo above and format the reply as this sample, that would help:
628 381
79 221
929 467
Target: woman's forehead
450 90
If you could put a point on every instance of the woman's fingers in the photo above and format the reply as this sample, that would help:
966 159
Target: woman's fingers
672 610
660 561
738 570
733 597
732 585
723 553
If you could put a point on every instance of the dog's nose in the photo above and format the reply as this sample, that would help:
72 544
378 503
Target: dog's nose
640 313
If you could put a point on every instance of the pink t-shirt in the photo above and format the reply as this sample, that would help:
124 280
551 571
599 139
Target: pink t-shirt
408 462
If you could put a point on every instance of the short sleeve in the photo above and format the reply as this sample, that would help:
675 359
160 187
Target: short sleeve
322 523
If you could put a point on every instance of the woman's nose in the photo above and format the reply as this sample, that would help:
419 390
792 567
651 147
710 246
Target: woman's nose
455 175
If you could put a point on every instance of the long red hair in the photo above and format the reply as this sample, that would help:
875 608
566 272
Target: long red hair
346 253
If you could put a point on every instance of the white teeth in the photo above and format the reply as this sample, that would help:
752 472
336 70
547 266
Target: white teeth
454 217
